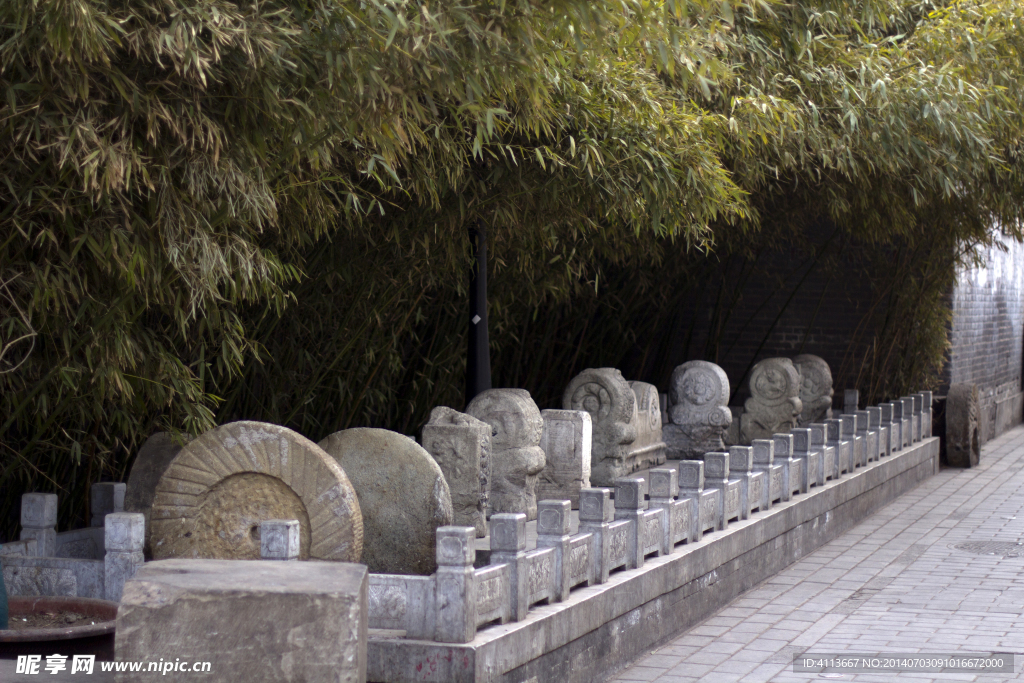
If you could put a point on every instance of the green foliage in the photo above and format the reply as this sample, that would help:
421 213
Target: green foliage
213 210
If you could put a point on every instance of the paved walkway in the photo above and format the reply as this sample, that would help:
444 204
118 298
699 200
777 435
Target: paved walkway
892 584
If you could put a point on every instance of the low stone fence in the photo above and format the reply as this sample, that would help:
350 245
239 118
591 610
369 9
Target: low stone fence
619 529
93 562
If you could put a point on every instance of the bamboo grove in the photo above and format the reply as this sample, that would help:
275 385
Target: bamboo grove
215 210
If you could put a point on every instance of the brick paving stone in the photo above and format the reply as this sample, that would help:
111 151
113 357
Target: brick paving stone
892 584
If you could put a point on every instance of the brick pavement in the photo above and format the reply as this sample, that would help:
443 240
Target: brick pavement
892 584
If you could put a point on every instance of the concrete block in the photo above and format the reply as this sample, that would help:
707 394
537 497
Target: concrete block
279 539
252 620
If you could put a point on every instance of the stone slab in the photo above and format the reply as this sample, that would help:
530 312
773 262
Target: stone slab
253 621
602 627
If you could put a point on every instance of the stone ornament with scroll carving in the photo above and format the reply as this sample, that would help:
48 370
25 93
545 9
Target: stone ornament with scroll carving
607 396
516 457
461 445
698 410
774 404
211 499
649 448
815 389
403 496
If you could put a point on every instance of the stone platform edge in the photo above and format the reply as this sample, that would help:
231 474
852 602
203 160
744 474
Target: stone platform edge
602 628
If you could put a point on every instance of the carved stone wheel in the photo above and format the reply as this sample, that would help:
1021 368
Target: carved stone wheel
211 499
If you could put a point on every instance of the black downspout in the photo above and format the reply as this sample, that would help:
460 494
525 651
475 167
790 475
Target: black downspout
478 362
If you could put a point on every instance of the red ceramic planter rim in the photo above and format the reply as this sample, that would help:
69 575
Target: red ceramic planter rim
104 611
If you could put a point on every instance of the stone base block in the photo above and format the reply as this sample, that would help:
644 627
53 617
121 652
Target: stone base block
252 620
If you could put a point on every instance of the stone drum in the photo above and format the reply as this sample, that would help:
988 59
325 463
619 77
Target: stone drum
211 499
607 396
460 444
774 404
815 389
516 456
402 494
150 464
698 410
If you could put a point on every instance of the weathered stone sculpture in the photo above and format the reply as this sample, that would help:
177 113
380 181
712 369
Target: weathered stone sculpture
567 442
649 448
815 389
962 445
402 494
607 396
698 410
461 445
516 457
211 499
774 404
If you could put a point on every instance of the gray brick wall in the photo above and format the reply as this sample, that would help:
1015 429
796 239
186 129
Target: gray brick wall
987 334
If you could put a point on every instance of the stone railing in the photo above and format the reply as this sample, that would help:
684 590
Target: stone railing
620 529
93 562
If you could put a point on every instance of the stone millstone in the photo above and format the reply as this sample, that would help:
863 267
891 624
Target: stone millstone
150 464
962 445
214 494
402 494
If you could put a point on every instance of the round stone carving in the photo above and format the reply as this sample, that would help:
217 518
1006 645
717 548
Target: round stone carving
770 384
699 387
403 496
815 389
212 497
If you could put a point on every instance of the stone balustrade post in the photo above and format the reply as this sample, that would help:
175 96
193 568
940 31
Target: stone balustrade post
106 497
890 419
508 546
798 478
279 539
39 521
716 476
455 582
926 412
596 514
875 423
630 504
851 401
829 453
553 531
776 472
850 435
753 487
123 536
918 429
663 489
803 449
703 504
868 435
843 448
